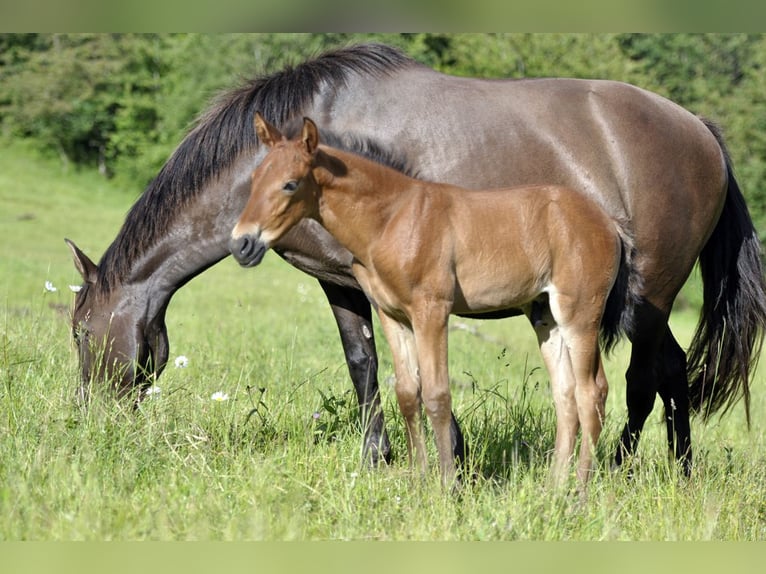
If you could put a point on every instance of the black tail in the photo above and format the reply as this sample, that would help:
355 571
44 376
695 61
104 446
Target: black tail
618 318
728 339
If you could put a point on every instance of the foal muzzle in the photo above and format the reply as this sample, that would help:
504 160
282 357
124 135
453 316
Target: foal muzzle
248 249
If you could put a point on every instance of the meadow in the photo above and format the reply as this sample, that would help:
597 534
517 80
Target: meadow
279 457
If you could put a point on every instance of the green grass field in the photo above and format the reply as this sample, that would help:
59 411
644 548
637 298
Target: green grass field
280 459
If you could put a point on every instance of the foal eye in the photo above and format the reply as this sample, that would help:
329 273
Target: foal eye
290 186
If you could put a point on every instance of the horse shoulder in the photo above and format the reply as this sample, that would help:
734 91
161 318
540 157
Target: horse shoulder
413 254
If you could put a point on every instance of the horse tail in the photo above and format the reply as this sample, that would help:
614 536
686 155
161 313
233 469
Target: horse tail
729 335
618 319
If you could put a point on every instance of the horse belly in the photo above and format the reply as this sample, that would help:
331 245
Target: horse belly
495 289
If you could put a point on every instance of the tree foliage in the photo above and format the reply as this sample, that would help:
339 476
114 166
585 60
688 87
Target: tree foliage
121 102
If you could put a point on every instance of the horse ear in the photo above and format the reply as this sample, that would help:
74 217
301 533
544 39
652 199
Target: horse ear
268 134
310 135
85 266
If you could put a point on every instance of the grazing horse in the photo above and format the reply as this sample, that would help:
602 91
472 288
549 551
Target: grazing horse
651 164
423 251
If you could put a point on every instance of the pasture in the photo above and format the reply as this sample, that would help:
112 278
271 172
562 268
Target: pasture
279 458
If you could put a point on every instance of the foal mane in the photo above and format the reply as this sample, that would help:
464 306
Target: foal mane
225 130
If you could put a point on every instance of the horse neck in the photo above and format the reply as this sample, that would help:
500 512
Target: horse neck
190 244
357 206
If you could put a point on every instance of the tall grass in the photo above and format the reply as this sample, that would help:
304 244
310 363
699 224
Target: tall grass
280 459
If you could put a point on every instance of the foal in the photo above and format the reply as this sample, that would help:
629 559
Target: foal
423 251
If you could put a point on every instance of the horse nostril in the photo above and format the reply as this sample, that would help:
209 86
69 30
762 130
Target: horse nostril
245 245
239 246
247 249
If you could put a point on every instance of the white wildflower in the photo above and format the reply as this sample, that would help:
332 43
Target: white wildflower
75 288
219 396
181 362
152 391
50 287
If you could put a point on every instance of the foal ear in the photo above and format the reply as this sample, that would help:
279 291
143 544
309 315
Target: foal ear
310 135
85 266
268 134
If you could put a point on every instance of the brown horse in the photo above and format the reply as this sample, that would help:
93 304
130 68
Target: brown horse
656 167
423 251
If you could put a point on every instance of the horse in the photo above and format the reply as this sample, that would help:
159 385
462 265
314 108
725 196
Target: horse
423 251
652 164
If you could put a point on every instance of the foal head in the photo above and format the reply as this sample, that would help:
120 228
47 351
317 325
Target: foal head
283 191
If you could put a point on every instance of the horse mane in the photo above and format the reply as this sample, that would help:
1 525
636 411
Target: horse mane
369 149
224 131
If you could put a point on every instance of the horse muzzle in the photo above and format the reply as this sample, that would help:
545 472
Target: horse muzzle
248 249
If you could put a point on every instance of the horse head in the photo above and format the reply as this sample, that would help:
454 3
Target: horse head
115 341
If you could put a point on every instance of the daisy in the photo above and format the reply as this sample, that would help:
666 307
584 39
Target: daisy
50 287
219 396
152 391
181 362
75 288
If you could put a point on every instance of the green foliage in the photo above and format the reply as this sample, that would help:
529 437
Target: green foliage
75 94
692 68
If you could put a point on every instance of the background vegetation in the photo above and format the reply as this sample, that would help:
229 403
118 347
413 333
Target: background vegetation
279 459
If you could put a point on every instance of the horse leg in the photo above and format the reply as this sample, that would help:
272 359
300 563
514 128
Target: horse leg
641 376
430 329
401 340
591 390
352 313
673 390
557 361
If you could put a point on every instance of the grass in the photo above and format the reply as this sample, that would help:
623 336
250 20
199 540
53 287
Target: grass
280 460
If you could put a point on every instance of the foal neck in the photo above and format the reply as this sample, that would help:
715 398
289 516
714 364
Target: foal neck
359 197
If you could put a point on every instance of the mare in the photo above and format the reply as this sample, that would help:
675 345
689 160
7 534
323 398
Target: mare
650 163
423 251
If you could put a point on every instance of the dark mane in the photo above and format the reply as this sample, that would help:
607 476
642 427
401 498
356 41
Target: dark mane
225 131
369 149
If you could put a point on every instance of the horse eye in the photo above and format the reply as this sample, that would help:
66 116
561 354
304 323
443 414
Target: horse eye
290 186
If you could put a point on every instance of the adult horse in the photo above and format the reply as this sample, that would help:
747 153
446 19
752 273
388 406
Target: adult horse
650 162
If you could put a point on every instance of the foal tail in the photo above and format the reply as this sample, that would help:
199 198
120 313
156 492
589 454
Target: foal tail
618 317
729 335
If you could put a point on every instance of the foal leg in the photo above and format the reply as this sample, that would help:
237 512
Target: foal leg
591 389
431 338
408 387
557 361
353 315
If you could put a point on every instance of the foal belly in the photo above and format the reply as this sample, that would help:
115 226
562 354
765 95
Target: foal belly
495 290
